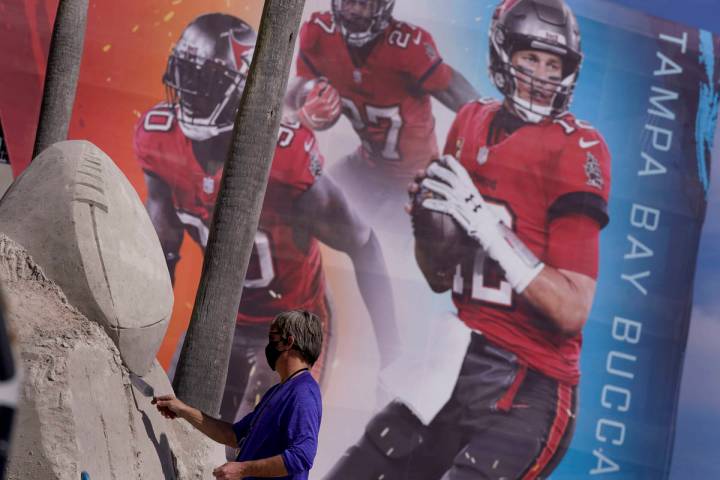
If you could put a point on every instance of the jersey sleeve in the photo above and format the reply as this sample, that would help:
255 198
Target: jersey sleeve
573 244
298 162
422 61
453 144
308 44
580 178
144 149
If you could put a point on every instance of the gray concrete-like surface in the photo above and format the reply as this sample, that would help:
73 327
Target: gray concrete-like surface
78 409
83 222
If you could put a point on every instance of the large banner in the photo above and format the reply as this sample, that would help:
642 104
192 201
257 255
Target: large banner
529 319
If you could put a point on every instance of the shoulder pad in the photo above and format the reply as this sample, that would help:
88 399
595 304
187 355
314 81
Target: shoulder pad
324 21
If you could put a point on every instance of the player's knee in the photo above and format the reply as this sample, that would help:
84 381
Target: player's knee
360 462
395 432
385 447
496 454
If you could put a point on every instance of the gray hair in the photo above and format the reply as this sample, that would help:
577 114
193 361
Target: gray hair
305 328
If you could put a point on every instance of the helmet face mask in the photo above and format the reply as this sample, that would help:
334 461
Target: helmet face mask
547 27
361 21
206 74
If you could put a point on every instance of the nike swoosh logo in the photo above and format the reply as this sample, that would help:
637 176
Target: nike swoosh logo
309 144
586 144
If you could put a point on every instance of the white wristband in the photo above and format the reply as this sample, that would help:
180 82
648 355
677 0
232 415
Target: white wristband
521 266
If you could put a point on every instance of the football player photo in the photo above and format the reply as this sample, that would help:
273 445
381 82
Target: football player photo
358 60
181 146
508 220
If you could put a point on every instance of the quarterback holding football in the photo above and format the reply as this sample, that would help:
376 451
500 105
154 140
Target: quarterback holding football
508 219
381 74
181 146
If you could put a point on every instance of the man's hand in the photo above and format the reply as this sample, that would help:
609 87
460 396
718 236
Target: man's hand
230 471
322 106
459 198
169 406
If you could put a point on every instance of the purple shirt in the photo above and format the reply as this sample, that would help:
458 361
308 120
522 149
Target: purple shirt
286 422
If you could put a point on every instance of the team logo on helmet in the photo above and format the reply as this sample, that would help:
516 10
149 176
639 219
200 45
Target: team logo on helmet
242 51
507 5
206 74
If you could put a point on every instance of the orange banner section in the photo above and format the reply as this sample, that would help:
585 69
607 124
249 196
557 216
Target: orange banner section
126 50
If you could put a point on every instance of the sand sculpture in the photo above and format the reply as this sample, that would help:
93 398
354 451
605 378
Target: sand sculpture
89 298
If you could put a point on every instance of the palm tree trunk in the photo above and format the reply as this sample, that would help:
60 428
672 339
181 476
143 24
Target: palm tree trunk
202 367
61 77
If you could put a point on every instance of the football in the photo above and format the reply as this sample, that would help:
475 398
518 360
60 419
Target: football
82 221
319 104
443 237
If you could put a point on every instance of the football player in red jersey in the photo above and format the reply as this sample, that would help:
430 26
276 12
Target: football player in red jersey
527 185
181 146
380 73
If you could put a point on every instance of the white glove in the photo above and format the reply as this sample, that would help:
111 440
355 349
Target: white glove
462 201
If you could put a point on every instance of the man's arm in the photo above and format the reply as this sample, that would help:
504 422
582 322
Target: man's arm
326 210
562 296
263 468
458 93
171 407
565 288
167 225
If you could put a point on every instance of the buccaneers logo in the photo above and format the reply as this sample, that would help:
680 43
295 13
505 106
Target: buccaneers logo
593 172
242 52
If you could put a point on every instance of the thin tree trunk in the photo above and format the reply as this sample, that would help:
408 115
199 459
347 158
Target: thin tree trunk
202 367
63 69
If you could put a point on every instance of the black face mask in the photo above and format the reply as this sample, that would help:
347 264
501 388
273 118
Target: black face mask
272 353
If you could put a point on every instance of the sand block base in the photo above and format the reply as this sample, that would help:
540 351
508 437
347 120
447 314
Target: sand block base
78 409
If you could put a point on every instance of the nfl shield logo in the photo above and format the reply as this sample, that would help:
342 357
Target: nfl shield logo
357 76
208 185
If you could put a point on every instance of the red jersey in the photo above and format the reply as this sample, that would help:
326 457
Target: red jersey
555 169
385 98
284 272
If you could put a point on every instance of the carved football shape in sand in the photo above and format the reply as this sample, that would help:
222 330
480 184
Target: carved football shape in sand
82 221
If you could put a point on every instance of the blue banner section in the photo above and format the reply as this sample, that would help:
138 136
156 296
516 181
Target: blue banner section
658 110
